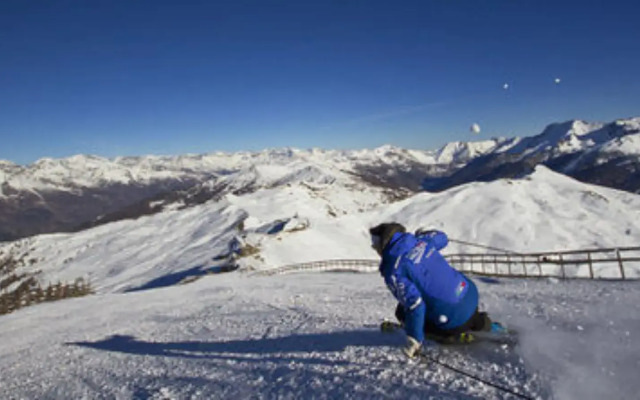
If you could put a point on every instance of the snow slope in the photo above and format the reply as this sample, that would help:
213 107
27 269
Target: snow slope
546 211
315 336
128 254
543 212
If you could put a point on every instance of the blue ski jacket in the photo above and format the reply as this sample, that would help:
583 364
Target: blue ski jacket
425 284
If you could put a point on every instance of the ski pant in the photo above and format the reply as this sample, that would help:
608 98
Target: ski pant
479 321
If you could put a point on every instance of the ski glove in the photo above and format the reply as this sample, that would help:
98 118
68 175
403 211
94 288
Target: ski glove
438 238
412 348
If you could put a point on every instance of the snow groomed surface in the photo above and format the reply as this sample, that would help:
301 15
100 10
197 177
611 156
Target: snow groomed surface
316 336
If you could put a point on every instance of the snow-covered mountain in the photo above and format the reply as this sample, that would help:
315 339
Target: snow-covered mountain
239 335
86 172
160 327
604 154
68 194
299 223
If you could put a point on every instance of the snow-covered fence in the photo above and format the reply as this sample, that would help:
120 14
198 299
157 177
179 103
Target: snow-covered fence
615 263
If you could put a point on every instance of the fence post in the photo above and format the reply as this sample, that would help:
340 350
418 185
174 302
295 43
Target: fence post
562 265
620 264
509 263
539 266
524 266
590 264
482 264
495 264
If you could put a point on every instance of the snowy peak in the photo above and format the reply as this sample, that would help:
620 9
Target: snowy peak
576 135
274 175
7 164
39 198
631 124
86 171
554 133
7 169
459 152
273 165
603 154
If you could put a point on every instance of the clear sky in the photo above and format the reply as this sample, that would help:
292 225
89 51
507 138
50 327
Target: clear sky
129 77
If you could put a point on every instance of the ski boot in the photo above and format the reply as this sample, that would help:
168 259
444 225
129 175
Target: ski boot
466 337
462 338
498 328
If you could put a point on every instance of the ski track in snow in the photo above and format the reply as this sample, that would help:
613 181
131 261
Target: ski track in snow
315 336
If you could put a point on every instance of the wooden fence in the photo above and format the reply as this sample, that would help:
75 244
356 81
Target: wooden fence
326 265
614 263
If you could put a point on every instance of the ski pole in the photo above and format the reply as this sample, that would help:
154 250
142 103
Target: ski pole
484 247
477 378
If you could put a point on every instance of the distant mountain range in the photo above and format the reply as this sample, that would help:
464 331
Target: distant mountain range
602 154
54 195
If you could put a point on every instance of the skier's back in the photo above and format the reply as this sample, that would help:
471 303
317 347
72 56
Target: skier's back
433 297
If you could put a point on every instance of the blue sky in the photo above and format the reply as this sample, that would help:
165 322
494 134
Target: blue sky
170 77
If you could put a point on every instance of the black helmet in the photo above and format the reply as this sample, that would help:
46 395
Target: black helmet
381 235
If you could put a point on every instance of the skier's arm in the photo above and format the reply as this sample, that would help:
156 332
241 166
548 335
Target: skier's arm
408 295
439 238
414 322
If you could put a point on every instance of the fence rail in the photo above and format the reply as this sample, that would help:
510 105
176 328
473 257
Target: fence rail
613 263
326 265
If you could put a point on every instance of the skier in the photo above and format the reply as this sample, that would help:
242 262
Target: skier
433 297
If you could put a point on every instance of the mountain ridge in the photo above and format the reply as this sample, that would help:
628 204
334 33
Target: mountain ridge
58 195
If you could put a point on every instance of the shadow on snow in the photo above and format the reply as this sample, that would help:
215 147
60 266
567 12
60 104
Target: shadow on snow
305 349
307 343
180 276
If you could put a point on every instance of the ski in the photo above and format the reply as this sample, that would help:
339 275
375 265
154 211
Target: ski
498 335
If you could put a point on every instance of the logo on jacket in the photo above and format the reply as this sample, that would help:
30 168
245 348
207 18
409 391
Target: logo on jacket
417 252
460 288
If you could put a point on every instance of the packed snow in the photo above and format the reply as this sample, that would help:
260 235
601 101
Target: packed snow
316 336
